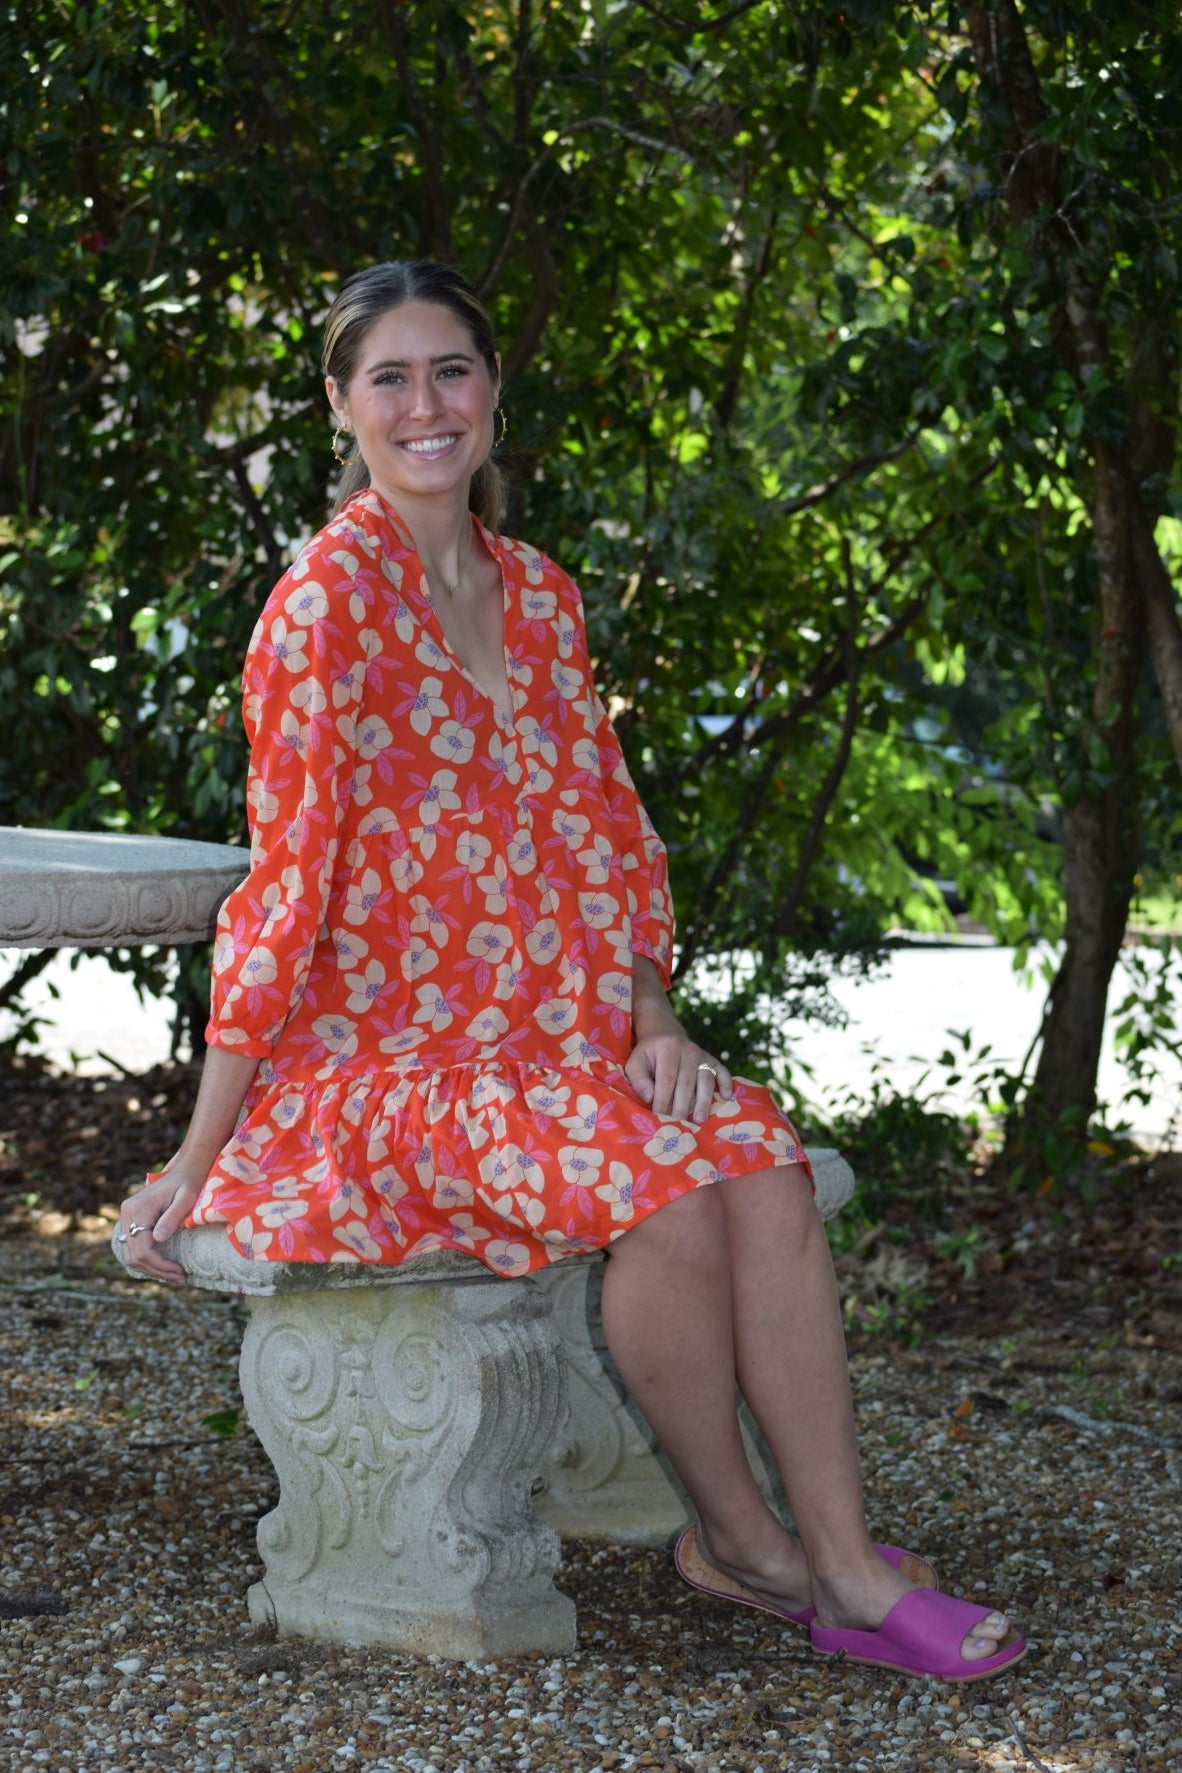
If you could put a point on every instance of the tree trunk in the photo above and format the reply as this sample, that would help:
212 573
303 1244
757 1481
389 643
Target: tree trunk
1099 829
1099 848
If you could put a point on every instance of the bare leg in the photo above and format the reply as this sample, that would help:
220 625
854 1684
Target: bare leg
667 1313
694 1298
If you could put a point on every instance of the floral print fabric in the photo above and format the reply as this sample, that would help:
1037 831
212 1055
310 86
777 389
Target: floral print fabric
432 954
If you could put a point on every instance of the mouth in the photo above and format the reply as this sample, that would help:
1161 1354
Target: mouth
431 448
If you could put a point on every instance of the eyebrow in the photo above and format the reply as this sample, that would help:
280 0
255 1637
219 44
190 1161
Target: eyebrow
401 363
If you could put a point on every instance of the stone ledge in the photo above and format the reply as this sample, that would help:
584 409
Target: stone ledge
101 889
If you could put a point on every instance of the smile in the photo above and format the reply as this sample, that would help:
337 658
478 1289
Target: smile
431 446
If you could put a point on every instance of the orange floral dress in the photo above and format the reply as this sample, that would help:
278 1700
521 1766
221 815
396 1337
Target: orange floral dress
432 954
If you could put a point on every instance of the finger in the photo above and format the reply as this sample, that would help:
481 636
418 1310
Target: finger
686 1094
704 1100
145 1259
639 1073
154 1266
173 1217
724 1083
666 1074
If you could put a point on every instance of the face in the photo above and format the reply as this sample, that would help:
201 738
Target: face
421 403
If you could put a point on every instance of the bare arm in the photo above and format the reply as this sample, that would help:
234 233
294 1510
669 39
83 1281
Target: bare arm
164 1204
666 1069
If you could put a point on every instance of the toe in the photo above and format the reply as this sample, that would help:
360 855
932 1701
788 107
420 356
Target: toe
985 1638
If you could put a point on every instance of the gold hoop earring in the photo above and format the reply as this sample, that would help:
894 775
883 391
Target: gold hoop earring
344 460
498 414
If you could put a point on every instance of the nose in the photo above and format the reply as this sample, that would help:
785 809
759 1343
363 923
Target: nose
424 396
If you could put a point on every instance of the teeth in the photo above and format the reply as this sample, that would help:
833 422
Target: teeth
430 446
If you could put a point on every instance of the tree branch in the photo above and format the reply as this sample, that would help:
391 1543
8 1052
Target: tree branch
832 669
696 27
816 495
785 923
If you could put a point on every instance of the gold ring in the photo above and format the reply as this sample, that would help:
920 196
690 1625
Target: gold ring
711 1070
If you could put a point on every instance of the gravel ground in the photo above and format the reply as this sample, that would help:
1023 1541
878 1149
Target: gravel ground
1030 1442
130 1525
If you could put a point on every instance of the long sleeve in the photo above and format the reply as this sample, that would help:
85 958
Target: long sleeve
302 686
643 857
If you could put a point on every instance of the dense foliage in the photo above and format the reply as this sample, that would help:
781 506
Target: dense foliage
792 388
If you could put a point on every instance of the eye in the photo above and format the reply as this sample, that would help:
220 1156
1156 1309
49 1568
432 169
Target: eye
454 369
387 376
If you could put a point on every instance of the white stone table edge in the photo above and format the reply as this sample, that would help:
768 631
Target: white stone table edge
107 889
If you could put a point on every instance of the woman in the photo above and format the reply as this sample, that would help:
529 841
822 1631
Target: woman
439 1014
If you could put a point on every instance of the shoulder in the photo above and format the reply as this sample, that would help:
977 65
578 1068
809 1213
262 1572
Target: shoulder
532 568
340 573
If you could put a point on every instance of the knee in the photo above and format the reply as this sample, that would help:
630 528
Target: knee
690 1232
772 1204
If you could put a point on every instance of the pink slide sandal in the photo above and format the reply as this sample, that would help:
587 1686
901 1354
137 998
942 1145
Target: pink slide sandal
692 1567
921 1635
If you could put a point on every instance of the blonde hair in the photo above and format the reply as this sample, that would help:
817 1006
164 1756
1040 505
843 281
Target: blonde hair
362 300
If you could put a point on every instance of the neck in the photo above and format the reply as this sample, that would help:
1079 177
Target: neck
441 529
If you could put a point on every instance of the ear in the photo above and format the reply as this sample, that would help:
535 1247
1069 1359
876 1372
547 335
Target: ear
498 384
337 400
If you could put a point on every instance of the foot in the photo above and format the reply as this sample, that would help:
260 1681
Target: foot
778 1573
859 1597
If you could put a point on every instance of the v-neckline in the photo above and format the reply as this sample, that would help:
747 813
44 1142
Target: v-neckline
505 721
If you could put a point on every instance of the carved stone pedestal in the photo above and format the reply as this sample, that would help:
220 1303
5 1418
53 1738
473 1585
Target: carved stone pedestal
407 1412
605 1477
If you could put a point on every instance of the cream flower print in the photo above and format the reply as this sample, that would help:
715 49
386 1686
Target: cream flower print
596 861
489 1026
495 887
506 1257
599 909
454 742
523 857
295 735
556 1015
288 645
567 681
617 1192
490 941
309 697
544 943
670 1145
472 851
365 987
583 1122
362 895
580 1165
263 803
537 740
259 968
418 957
424 703
373 737
306 603
434 1008
359 1245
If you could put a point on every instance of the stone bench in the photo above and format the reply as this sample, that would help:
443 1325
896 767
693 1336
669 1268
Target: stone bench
420 1419
435 1428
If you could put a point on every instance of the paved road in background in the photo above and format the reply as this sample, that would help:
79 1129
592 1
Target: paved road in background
897 1030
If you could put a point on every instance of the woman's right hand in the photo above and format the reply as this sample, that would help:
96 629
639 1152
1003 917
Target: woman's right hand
155 1213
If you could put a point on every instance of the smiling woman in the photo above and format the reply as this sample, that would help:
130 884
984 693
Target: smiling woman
439 1016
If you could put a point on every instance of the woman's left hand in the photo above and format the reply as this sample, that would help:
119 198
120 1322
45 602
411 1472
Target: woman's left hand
676 1078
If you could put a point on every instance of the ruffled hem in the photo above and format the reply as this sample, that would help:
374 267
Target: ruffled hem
517 1164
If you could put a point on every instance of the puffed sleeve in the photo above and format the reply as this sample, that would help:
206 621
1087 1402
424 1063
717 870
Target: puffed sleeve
643 856
301 694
